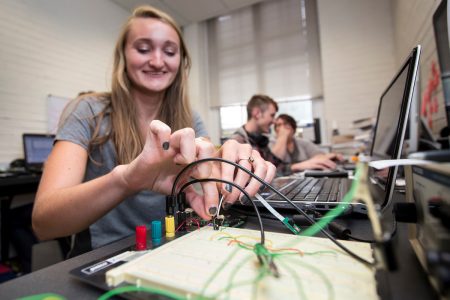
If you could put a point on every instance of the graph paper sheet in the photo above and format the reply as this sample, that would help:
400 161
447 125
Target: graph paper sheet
207 263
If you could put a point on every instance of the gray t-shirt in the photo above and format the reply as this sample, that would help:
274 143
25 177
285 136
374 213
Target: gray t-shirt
303 150
139 209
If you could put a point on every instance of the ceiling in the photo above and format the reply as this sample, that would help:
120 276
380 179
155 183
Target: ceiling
186 12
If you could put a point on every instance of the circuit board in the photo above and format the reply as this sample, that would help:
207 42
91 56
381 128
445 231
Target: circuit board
222 265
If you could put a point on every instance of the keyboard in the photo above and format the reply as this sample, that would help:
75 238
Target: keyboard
308 189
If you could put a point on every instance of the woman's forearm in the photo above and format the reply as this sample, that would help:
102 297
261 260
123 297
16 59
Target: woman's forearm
69 210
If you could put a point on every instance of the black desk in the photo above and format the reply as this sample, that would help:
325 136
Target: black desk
409 282
10 187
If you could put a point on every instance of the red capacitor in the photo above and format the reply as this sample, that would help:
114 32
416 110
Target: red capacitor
141 237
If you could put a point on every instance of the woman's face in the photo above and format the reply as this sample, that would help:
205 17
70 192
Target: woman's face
152 54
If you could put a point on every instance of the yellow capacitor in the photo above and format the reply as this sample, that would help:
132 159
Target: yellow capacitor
170 226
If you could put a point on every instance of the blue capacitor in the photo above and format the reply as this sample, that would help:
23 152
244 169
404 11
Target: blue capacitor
156 232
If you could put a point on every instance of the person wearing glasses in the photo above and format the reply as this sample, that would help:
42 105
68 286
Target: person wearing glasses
299 154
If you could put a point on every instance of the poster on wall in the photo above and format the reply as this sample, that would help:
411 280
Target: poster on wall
55 106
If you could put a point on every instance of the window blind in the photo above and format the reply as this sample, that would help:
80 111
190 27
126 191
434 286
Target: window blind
271 47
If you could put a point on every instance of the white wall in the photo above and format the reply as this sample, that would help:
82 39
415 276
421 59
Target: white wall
196 41
413 25
58 47
358 58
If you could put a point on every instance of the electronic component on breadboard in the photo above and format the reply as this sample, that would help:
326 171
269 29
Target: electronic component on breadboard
218 221
141 237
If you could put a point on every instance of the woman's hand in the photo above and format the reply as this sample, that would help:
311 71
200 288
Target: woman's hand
165 154
250 159
206 204
161 159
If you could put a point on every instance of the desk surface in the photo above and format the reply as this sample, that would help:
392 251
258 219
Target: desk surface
20 184
409 282
11 186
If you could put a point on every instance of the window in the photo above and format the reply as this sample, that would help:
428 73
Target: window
231 118
269 48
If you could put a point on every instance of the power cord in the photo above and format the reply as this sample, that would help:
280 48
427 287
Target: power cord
345 233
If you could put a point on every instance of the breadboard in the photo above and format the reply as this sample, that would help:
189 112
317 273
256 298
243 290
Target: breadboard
205 263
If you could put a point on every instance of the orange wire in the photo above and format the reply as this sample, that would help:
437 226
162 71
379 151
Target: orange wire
286 249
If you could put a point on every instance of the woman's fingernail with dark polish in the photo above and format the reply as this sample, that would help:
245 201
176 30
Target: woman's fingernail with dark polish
228 188
165 145
212 210
243 199
226 205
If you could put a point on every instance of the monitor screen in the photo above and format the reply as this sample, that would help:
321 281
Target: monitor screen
393 113
392 120
37 147
389 118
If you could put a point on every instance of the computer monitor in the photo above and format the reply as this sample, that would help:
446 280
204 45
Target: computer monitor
392 120
36 148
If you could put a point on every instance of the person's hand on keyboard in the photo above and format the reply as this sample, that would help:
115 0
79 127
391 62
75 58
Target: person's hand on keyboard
320 162
336 157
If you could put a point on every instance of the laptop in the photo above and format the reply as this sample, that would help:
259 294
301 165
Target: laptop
322 194
36 148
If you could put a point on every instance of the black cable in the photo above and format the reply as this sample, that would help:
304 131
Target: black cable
393 232
354 238
236 186
310 220
250 213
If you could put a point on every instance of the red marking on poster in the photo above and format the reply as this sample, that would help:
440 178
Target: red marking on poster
430 104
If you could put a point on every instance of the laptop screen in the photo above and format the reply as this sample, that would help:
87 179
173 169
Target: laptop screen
36 148
391 124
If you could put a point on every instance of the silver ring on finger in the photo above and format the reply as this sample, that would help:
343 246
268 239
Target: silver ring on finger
250 159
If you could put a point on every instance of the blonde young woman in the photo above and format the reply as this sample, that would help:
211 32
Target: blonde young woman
116 154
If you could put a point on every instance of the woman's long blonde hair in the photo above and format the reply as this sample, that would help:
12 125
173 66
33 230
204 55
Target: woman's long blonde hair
174 111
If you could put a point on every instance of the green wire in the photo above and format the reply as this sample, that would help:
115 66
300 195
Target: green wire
276 255
321 252
335 212
297 279
216 272
321 274
230 285
45 296
263 272
132 288
261 250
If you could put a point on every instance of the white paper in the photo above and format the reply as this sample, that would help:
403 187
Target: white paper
382 164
